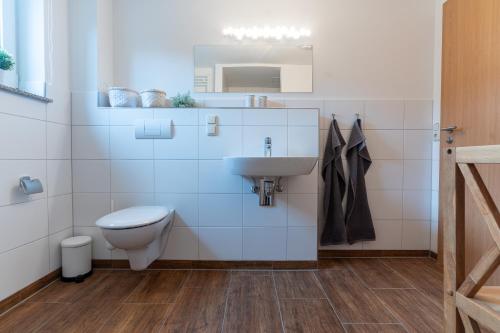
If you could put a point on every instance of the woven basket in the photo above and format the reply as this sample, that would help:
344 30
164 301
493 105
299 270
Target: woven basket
123 97
153 98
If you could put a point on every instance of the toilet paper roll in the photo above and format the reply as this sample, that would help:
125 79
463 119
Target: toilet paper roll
30 186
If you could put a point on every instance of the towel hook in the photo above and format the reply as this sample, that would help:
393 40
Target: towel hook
357 116
333 116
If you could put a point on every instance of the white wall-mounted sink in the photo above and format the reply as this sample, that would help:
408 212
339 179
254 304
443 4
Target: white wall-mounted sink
270 166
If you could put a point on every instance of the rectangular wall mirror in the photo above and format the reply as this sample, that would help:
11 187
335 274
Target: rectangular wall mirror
252 69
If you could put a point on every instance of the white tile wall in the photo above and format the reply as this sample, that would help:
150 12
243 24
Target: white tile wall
216 217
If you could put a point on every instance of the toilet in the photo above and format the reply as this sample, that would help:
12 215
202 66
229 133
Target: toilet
142 231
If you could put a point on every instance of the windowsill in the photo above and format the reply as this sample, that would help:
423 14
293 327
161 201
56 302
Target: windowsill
26 94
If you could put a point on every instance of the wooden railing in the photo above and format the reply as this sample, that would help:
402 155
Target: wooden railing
467 302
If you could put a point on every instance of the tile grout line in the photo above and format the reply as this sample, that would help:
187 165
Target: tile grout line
329 300
278 302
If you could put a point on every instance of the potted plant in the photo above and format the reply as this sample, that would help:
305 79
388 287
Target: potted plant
6 61
183 101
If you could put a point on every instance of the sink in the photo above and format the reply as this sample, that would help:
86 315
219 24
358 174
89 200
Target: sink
270 166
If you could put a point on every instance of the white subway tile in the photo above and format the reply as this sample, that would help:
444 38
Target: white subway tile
183 145
302 210
90 142
265 117
214 178
59 111
58 141
304 103
60 213
386 204
388 235
220 210
20 106
303 117
128 116
253 140
302 244
385 175
125 200
385 144
84 110
345 113
384 115
418 115
23 223
22 266
223 103
58 177
418 174
176 176
262 216
55 247
178 116
26 138
89 207
303 141
124 145
418 145
11 171
264 243
220 243
91 176
417 205
227 142
185 206
304 184
224 116
182 244
132 176
416 235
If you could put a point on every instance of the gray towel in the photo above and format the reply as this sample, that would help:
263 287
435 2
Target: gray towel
359 224
334 231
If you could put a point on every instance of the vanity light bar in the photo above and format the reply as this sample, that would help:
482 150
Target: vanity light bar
278 32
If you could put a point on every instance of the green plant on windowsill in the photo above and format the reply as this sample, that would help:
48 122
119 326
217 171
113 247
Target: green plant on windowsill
183 101
6 61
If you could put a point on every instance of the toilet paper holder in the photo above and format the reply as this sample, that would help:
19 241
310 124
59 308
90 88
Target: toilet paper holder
30 186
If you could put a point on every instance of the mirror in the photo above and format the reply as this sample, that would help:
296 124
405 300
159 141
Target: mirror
252 69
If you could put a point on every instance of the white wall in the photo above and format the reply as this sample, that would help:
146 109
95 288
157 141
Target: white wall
36 141
217 217
363 49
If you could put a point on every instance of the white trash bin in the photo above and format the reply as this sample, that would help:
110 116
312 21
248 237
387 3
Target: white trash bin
76 258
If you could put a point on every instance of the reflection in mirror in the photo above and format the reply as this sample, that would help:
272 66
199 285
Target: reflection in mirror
22 40
253 68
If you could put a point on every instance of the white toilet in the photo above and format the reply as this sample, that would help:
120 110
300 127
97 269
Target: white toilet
141 231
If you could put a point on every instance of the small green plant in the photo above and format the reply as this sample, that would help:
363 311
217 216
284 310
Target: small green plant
183 101
6 61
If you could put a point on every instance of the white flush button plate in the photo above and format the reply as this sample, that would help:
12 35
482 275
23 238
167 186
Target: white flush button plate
153 129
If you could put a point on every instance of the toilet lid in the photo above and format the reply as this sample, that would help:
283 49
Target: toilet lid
133 217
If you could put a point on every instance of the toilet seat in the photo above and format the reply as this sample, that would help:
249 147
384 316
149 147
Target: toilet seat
133 217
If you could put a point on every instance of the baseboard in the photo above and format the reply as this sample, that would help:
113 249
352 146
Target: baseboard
203 264
29 290
327 254
433 255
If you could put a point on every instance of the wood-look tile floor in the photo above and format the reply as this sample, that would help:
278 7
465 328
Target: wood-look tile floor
344 295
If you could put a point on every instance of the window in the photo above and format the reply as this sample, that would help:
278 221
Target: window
22 34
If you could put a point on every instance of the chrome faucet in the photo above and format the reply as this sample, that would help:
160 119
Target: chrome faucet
267 147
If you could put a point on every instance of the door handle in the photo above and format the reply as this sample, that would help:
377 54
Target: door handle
449 129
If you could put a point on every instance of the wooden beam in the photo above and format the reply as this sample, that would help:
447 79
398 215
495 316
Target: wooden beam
453 213
479 154
485 267
479 311
484 201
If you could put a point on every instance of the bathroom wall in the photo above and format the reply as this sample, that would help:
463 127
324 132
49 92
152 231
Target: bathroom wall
217 217
36 142
370 57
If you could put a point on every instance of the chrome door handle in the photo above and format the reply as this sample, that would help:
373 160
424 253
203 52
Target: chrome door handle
449 129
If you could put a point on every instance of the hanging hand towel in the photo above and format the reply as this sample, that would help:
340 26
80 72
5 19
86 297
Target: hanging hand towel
332 171
359 224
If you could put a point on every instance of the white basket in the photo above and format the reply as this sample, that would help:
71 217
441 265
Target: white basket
123 97
153 98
